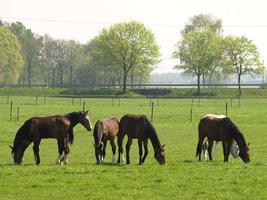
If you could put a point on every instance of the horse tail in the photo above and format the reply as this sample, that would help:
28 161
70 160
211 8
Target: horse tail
71 136
96 132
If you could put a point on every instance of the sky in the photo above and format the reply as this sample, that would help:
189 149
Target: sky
81 20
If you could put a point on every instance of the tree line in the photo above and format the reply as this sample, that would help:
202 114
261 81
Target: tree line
123 54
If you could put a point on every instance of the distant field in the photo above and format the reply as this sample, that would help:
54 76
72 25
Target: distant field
183 177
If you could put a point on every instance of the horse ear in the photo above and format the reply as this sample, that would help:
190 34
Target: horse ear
11 147
163 146
87 111
248 144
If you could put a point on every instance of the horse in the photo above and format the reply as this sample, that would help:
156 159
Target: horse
58 126
139 127
221 128
104 130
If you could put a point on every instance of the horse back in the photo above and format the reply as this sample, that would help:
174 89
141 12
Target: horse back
215 128
48 127
107 128
134 126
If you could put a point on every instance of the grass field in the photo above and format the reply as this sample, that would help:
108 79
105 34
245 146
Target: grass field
183 177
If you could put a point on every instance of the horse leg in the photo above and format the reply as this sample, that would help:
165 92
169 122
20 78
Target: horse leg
104 151
146 150
66 152
199 147
210 149
113 146
60 151
140 150
120 152
36 144
225 151
128 147
228 147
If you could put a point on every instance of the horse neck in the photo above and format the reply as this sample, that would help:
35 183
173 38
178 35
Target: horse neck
73 120
239 138
154 138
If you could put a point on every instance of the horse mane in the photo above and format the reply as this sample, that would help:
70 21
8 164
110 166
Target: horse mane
20 135
151 133
236 133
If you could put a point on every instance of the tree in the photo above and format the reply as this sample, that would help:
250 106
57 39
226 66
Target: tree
10 58
125 46
203 22
197 53
242 57
31 46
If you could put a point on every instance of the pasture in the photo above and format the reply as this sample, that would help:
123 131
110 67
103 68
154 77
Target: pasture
183 177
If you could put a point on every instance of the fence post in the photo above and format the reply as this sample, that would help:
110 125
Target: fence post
226 109
18 113
36 99
192 101
191 115
10 114
83 105
152 111
112 102
239 101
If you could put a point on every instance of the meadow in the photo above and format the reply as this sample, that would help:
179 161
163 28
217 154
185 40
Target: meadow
183 177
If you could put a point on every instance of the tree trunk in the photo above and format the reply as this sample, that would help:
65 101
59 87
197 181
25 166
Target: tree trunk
132 79
29 70
198 84
71 75
53 78
124 80
239 86
61 75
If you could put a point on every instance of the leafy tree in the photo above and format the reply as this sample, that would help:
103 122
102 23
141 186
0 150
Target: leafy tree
31 46
203 22
125 46
242 57
10 58
197 53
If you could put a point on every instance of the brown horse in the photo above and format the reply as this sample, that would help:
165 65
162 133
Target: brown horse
58 126
139 127
105 129
221 128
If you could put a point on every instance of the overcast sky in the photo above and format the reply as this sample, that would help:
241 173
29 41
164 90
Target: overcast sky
81 20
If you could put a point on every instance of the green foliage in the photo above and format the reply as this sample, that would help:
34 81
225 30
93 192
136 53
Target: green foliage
203 22
10 58
242 57
125 47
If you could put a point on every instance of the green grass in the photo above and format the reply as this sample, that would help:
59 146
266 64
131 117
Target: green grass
183 177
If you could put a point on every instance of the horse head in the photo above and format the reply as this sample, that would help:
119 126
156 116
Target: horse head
99 153
17 154
160 155
244 153
84 119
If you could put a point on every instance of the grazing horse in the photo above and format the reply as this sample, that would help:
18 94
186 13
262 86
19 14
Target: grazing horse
58 126
139 127
221 128
105 129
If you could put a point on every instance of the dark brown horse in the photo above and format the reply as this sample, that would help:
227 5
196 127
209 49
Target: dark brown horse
58 126
221 128
139 127
105 129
